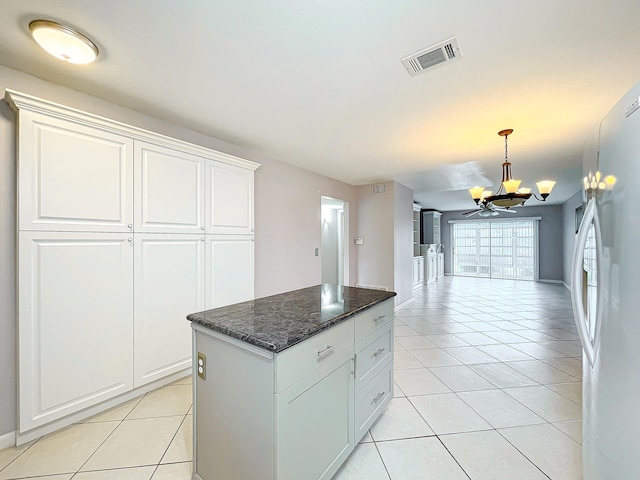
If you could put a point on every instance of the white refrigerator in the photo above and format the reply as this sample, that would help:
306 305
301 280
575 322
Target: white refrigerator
606 295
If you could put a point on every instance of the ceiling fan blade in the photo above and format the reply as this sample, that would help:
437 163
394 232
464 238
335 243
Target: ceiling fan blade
471 213
505 210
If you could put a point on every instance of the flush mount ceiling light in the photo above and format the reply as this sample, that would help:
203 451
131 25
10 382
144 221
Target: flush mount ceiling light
510 193
63 42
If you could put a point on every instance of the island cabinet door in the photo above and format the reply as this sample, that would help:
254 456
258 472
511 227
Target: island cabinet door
75 327
169 190
229 201
228 270
169 284
315 422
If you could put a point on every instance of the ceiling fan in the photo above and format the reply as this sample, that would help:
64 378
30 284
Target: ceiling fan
487 210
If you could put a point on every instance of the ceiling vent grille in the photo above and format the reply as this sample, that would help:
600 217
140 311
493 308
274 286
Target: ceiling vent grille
439 54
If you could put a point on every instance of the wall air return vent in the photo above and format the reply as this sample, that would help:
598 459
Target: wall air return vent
377 189
439 54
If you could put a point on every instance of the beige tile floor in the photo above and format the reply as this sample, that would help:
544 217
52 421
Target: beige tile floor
487 388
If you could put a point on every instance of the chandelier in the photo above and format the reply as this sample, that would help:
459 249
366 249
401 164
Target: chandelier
510 193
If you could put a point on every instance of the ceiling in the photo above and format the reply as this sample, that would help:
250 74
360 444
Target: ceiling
319 84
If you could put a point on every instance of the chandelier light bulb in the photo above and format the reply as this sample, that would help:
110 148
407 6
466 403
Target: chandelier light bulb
545 186
511 186
476 193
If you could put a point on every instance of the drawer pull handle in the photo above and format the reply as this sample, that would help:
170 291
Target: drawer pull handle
378 352
378 318
325 350
378 397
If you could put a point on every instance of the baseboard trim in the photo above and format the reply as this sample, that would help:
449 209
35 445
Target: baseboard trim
8 440
542 280
37 432
566 286
403 304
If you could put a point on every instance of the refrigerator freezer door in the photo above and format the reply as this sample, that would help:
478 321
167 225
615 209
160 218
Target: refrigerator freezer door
611 385
586 297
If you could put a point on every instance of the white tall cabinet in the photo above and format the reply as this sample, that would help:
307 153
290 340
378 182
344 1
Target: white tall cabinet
75 333
121 233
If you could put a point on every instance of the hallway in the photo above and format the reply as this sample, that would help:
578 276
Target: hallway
487 387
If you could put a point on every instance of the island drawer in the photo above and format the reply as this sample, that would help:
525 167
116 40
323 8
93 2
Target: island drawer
372 352
373 318
372 399
299 360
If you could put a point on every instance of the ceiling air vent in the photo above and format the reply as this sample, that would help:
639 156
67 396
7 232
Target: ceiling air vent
439 54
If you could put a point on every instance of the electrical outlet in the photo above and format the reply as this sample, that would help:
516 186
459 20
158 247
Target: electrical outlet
202 366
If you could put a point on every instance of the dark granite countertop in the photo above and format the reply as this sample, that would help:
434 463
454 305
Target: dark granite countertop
280 321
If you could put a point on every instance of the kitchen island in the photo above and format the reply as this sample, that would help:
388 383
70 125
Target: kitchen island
286 386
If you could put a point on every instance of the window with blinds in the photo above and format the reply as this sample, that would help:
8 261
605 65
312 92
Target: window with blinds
495 249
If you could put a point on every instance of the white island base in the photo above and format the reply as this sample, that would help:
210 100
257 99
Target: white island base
292 415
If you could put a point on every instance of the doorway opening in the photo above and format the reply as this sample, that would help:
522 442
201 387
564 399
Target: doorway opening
334 225
496 249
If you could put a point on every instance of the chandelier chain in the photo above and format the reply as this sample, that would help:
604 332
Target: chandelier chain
506 149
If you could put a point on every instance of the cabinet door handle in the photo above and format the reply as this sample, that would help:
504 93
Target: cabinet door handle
129 239
325 350
378 352
377 398
378 318
130 226
202 228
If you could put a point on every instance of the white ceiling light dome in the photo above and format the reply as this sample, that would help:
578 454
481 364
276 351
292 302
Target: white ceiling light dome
63 42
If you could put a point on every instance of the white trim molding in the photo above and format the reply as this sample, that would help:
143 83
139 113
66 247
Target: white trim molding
21 101
8 440
403 304
501 219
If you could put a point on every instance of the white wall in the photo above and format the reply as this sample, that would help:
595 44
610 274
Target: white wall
385 221
375 225
287 206
403 242
329 252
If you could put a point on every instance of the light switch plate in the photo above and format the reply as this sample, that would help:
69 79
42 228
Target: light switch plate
359 241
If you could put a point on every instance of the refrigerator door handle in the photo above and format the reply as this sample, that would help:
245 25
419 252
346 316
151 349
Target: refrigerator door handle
589 347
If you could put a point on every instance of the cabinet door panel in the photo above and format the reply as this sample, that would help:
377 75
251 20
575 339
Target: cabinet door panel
169 284
75 326
315 422
229 270
72 177
373 352
169 190
229 203
373 399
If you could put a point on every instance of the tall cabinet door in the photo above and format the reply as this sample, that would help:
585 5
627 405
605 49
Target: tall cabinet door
169 190
75 328
229 202
169 284
72 177
228 270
